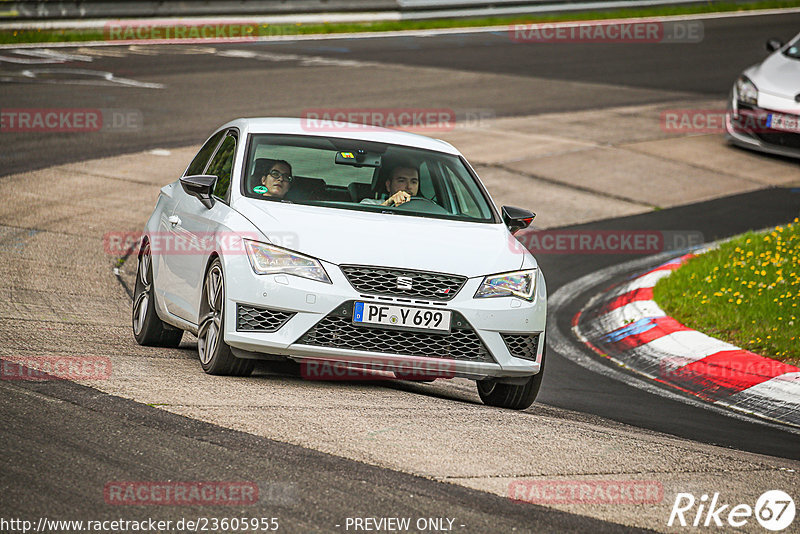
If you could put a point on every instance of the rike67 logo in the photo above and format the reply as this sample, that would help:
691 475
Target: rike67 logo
774 510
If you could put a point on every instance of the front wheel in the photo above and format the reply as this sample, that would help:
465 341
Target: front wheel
216 357
514 397
148 329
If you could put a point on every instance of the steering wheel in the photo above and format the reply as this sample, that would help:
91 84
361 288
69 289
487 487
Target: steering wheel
421 202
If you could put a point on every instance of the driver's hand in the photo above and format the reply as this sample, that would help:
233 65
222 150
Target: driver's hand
397 199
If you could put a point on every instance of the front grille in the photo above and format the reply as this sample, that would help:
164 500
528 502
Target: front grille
253 319
337 330
522 345
384 281
783 139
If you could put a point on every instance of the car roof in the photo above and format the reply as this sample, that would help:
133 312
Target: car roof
342 130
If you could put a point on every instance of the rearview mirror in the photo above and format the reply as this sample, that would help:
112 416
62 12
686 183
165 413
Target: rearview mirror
200 186
358 158
517 218
774 44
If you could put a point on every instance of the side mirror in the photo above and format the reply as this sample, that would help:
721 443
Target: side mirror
774 44
517 218
200 186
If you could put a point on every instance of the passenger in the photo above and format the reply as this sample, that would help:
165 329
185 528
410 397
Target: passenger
277 179
402 185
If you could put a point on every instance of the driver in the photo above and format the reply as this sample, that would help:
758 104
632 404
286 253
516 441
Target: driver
402 185
277 179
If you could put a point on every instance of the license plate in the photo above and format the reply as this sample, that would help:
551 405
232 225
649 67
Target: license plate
404 317
787 123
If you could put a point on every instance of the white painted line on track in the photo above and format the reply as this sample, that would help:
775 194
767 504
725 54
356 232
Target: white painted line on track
38 56
28 61
402 33
80 77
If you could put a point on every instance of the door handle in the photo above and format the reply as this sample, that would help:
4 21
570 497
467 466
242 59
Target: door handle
174 220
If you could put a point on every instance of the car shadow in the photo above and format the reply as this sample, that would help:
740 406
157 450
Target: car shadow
289 369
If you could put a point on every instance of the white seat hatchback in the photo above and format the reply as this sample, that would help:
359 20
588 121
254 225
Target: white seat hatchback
347 246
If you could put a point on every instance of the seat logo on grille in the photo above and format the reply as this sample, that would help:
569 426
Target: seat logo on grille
404 282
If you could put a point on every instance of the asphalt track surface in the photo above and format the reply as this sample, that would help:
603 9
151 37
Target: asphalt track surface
207 90
91 434
52 425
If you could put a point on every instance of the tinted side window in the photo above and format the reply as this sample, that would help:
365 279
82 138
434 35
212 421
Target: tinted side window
221 166
464 193
198 164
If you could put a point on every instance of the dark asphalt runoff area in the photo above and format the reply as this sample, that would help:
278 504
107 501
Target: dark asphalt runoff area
60 440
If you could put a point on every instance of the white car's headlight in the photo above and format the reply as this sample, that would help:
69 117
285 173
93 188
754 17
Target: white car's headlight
269 259
520 284
746 91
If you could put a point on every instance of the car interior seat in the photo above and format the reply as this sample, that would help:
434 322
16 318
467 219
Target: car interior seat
359 191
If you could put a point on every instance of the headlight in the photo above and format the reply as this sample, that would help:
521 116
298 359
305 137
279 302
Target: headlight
746 91
268 259
520 284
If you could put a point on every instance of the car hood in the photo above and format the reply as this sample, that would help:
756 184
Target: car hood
342 236
777 75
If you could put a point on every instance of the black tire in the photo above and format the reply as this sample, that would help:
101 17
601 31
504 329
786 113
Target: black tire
216 357
511 396
148 329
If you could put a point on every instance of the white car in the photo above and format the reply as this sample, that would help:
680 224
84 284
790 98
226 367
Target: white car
333 271
764 106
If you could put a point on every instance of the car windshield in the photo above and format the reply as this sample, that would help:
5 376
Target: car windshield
793 50
363 175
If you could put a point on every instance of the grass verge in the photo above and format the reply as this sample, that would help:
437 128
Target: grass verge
746 292
265 30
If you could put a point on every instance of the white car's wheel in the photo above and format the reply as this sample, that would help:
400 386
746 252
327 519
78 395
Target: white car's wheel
216 357
148 329
515 397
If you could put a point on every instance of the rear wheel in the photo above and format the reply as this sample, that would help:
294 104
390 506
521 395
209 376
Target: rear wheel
148 329
514 397
216 357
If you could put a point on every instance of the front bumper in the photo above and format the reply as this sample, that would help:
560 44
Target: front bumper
314 322
746 126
